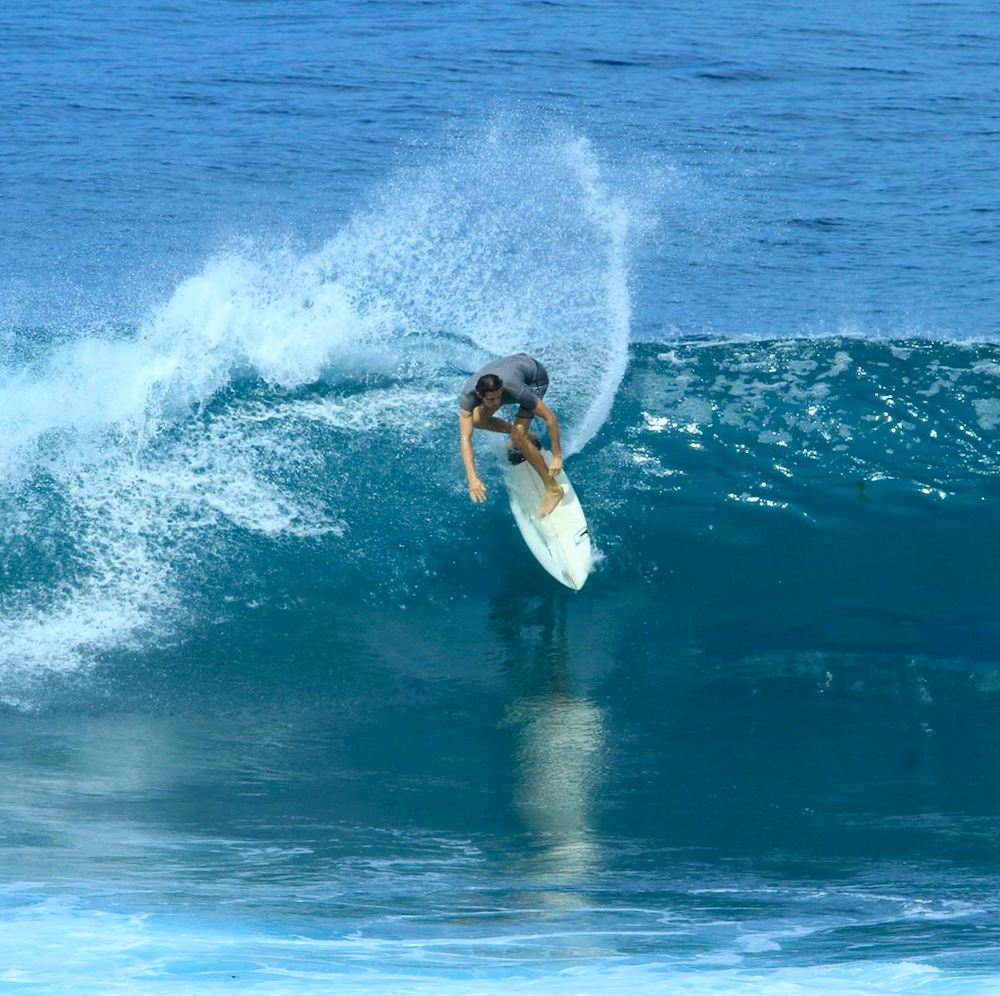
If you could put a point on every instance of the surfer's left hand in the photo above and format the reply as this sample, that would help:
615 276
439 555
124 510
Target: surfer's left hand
555 466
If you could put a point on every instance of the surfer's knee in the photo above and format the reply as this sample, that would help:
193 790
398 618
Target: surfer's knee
518 434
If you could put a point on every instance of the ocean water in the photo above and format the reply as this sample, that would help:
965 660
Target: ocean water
282 711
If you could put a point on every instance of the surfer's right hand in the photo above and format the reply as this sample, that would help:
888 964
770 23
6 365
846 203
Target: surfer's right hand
477 490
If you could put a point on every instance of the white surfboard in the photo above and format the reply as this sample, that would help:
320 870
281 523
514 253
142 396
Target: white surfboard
560 541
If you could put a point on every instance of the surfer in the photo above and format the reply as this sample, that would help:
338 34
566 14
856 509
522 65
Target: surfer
519 380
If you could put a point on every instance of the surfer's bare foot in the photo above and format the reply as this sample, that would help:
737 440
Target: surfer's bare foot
550 501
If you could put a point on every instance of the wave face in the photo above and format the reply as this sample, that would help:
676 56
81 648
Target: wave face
281 424
837 492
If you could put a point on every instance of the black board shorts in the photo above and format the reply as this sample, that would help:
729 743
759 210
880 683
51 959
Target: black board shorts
539 387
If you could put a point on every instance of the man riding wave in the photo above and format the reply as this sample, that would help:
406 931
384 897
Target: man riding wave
519 380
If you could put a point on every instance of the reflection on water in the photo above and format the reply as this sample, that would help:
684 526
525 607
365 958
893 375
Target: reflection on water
560 744
560 749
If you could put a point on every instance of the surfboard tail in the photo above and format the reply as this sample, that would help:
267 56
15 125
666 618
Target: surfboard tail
560 541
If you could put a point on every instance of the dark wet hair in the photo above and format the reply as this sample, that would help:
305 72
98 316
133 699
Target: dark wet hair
487 383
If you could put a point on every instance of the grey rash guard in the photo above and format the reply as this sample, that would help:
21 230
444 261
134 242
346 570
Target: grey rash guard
525 380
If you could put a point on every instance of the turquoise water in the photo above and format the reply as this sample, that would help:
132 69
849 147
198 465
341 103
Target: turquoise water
284 711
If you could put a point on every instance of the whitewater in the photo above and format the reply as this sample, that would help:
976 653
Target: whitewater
243 401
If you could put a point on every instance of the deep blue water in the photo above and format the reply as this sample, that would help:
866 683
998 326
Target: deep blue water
283 710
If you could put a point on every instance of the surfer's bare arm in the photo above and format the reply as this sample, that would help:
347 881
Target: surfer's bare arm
477 490
542 410
490 422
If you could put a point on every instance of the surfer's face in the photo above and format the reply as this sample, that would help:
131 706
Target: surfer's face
492 399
